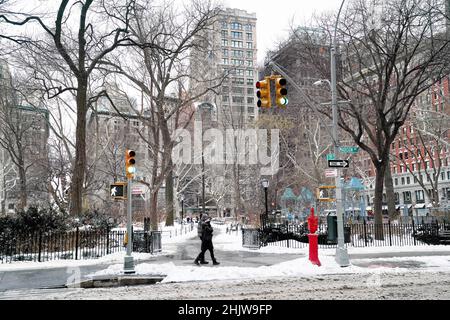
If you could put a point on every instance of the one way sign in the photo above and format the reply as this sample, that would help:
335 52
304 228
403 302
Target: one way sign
338 163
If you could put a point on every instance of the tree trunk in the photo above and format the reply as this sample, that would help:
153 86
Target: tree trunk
4 195
154 210
377 203
80 149
169 197
23 188
390 195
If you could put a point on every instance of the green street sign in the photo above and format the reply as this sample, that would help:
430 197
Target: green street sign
331 156
349 149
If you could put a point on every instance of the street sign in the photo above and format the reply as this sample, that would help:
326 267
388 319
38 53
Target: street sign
338 163
330 173
349 149
331 156
118 190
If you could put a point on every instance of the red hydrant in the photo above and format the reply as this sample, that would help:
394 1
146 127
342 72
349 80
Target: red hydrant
313 238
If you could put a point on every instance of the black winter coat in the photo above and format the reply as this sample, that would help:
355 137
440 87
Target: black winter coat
207 232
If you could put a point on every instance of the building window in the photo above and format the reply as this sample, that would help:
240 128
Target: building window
224 42
237 44
224 25
225 98
224 60
408 180
249 45
236 26
249 54
225 52
420 196
224 33
397 198
248 27
249 73
250 100
249 63
250 81
396 181
237 53
442 176
238 99
407 197
249 36
236 35
403 180
250 91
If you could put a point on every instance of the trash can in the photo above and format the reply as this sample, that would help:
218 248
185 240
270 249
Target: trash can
332 227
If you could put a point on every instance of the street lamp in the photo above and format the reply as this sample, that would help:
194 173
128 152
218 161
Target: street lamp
182 207
265 185
341 252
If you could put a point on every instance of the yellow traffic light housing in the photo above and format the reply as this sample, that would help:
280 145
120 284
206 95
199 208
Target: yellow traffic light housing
263 93
130 169
326 193
281 92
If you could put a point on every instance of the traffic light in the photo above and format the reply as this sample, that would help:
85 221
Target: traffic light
263 93
281 92
129 163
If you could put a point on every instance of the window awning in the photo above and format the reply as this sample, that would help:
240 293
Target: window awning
419 206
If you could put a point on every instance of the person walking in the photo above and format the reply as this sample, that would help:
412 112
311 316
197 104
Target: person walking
206 237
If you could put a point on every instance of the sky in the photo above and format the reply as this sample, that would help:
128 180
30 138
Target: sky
274 18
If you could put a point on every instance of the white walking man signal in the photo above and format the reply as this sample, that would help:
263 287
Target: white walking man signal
113 191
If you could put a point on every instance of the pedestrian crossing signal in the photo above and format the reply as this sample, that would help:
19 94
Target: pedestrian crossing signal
118 190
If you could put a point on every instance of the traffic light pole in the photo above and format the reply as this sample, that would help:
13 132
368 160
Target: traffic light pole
341 252
128 265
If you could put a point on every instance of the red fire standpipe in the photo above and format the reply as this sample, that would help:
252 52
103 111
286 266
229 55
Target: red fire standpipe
313 238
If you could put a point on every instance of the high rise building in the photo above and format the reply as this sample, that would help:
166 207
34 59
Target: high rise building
24 161
225 60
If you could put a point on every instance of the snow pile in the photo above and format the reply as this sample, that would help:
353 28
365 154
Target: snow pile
301 267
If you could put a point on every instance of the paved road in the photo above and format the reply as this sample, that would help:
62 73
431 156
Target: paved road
184 254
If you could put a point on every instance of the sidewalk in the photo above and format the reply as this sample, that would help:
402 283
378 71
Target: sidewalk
176 263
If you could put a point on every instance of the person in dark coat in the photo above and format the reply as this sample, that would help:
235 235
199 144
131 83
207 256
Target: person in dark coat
207 234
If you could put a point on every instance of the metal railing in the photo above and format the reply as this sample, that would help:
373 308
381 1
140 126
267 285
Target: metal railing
361 234
77 244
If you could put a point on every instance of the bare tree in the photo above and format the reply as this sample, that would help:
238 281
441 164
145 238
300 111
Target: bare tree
158 73
76 50
387 60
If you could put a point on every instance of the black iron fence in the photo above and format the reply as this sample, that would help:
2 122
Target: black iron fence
361 234
77 244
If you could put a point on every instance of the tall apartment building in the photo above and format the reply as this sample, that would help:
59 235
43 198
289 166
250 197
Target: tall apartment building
24 161
228 56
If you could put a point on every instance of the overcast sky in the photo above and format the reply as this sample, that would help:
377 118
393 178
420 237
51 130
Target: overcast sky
274 17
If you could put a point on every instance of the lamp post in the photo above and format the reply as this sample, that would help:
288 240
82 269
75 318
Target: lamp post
265 185
341 252
182 207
